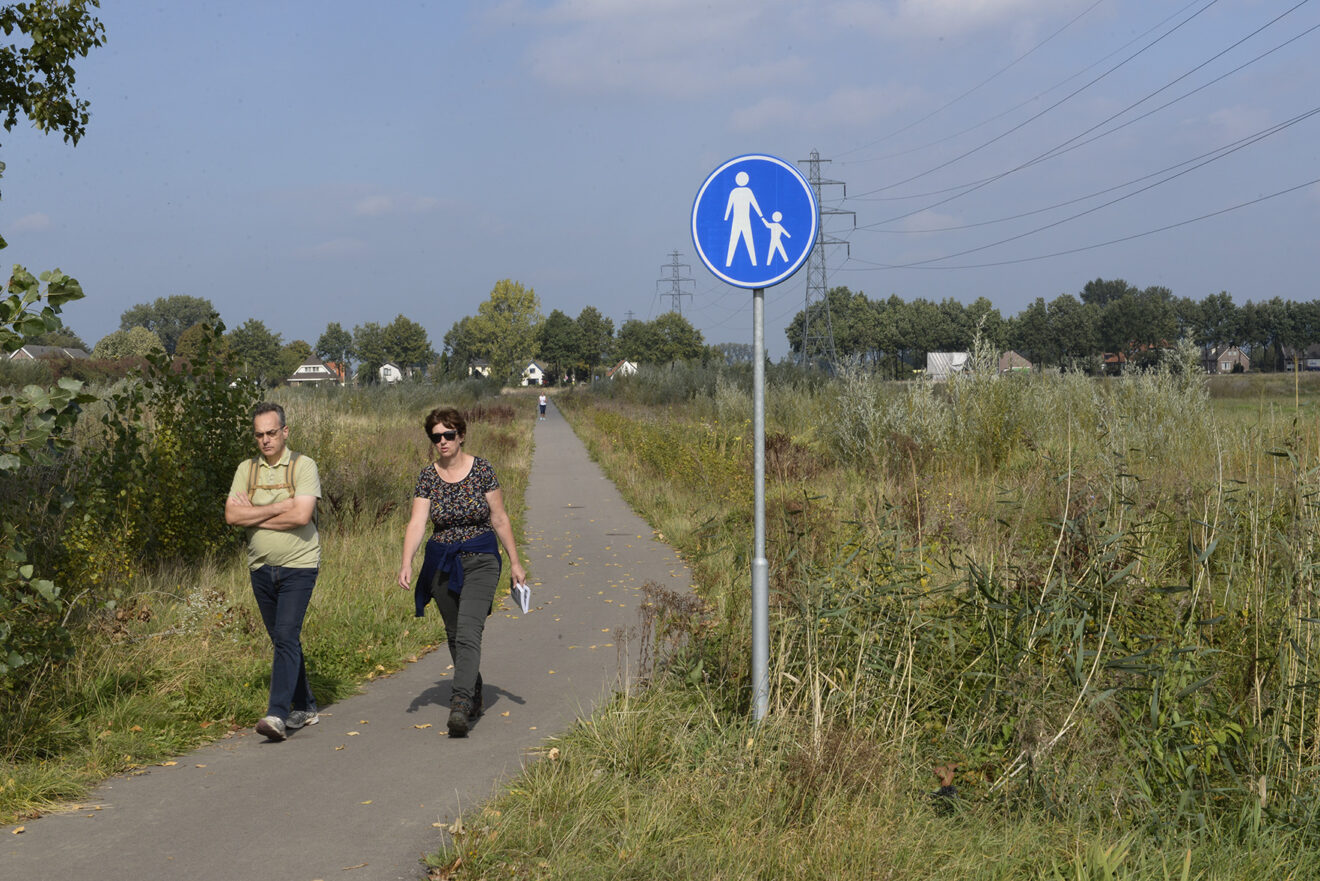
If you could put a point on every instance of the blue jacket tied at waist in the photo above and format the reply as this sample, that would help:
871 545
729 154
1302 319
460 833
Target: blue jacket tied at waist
442 558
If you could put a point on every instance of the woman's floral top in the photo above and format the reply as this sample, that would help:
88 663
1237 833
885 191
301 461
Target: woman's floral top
459 511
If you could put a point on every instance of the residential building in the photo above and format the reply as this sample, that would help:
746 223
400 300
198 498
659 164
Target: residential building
32 353
314 371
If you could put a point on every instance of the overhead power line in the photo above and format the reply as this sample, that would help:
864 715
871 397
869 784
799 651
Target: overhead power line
1078 250
1076 140
976 88
1187 167
1056 104
1036 97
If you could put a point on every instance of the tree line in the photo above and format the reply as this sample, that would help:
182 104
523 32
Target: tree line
1070 331
893 335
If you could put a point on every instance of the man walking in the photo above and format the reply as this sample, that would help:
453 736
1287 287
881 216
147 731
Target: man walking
273 496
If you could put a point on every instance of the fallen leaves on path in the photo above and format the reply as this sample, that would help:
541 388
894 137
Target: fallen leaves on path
423 725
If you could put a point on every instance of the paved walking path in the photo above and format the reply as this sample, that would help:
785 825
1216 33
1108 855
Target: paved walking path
357 796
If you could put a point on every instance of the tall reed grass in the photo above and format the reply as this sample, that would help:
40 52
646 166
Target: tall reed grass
1089 603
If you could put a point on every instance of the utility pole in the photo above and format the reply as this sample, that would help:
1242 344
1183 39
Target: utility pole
817 329
675 280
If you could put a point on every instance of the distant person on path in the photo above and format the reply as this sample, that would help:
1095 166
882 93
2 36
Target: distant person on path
462 498
540 405
273 496
741 202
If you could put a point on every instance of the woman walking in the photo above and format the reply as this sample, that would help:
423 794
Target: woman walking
461 496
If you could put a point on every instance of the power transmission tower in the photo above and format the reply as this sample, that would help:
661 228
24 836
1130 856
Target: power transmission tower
817 329
675 280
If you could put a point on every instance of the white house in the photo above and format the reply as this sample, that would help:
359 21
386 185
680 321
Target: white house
390 372
313 371
533 374
479 367
623 368
941 365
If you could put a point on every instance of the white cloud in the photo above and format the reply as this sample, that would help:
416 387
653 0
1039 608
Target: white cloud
673 48
30 223
902 19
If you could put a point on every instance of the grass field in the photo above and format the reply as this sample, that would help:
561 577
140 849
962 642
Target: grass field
1087 607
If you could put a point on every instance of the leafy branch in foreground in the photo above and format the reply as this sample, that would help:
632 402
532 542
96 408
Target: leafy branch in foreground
35 428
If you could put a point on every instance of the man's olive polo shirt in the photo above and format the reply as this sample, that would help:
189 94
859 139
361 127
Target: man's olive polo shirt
295 548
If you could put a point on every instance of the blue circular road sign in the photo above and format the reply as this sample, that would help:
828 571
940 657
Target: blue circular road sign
754 221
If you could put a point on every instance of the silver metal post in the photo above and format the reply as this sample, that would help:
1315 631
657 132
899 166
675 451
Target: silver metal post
760 565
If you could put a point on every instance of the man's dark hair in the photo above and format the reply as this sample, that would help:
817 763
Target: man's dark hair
268 407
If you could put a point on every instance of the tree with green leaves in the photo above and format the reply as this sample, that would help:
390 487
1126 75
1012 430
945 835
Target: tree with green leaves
62 338
666 340
596 337
35 427
36 82
257 351
292 355
335 344
461 346
560 343
136 342
735 353
505 328
407 344
169 317
203 340
372 350
1074 332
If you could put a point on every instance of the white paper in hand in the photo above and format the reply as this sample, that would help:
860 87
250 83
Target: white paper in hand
522 595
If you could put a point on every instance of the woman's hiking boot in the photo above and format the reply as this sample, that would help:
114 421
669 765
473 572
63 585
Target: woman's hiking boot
478 702
460 717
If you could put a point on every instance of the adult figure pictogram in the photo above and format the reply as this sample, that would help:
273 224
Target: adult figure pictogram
741 202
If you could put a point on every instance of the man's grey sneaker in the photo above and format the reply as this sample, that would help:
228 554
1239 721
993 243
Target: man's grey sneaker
272 727
299 718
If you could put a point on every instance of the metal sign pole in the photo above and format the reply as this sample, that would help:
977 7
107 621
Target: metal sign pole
729 242
760 565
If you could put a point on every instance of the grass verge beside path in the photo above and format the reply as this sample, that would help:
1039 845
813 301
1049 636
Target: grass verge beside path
933 607
183 658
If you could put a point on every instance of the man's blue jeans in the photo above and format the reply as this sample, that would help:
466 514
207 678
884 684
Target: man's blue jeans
282 595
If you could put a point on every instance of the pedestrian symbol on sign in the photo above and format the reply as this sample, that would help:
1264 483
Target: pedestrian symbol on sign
741 201
723 222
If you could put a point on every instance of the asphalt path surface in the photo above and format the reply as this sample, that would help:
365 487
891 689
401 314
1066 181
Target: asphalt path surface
362 795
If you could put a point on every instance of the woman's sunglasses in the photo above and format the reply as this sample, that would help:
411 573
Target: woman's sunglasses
443 435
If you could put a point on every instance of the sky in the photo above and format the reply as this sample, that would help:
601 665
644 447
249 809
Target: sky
307 163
